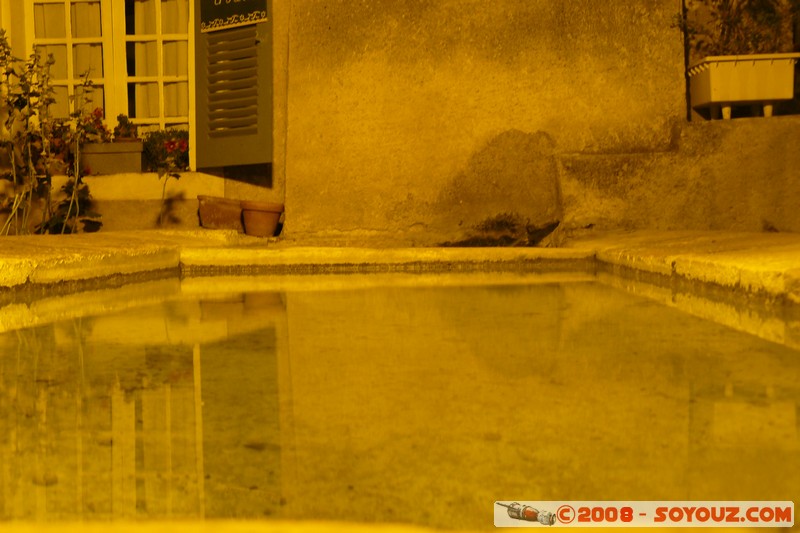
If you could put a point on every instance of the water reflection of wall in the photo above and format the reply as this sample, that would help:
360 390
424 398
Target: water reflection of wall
420 401
142 413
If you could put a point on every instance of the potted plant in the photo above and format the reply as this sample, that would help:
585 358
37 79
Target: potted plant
104 153
743 53
32 142
166 152
125 130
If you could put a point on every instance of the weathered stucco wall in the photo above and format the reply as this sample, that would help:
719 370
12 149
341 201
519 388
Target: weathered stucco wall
415 120
737 175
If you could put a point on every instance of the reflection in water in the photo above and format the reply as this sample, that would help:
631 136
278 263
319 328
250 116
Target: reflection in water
153 412
390 404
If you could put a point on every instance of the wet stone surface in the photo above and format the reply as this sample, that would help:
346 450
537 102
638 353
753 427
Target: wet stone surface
252 404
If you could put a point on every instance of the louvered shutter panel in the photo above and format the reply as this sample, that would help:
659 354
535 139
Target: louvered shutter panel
234 96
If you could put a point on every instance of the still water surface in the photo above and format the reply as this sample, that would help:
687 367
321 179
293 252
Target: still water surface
390 403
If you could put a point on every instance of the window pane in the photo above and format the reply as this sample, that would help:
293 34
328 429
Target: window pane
176 58
142 59
49 21
88 58
174 16
143 100
140 17
86 19
58 70
176 99
60 109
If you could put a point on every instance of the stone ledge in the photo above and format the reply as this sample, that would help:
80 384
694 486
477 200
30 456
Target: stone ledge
246 256
49 259
757 263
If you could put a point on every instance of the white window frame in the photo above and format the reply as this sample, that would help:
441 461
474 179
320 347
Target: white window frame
120 40
115 77
73 78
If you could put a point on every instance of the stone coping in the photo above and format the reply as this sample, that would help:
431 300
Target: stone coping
764 264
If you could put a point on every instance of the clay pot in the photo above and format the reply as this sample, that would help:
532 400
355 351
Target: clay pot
261 218
220 213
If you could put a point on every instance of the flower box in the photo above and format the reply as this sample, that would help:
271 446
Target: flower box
720 82
111 158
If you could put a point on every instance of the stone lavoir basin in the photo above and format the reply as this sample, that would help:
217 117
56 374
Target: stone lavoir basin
211 399
418 382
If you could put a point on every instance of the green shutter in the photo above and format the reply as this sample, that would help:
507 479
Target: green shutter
234 95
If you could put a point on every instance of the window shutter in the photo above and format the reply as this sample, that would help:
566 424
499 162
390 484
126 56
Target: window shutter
234 95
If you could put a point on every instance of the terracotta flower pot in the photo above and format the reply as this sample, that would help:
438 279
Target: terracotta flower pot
261 218
220 213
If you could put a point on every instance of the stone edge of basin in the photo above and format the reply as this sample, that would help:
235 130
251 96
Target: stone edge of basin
52 259
773 270
736 262
274 257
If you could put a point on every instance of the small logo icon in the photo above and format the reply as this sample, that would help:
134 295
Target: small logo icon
565 514
529 514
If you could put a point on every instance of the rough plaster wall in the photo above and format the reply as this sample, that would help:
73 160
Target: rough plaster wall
514 176
754 167
720 175
388 102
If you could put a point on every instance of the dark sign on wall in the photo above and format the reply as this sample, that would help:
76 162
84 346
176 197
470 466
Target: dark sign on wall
220 14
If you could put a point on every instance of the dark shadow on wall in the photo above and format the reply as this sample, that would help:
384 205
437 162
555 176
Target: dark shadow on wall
687 50
507 194
258 174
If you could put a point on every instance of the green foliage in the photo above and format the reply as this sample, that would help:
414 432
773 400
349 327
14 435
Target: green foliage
125 129
74 208
91 127
738 27
33 143
26 96
166 151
